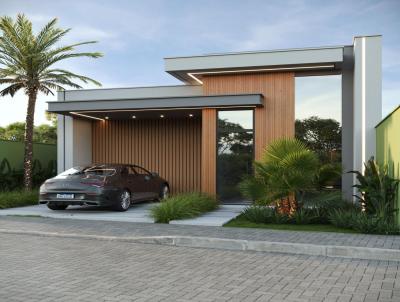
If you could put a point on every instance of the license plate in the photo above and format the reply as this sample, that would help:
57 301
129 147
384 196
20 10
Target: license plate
65 196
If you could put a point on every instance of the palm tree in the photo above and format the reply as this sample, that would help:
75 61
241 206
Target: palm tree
287 170
27 62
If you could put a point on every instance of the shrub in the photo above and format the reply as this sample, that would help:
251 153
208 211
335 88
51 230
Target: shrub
12 199
304 216
183 206
369 224
342 218
377 190
12 179
259 214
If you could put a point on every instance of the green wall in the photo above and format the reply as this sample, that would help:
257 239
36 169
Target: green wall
14 152
388 146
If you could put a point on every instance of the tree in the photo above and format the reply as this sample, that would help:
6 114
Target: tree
14 132
287 170
45 134
41 134
27 63
324 136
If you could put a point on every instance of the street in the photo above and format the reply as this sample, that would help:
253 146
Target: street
36 268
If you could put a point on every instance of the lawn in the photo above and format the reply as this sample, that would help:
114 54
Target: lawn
240 222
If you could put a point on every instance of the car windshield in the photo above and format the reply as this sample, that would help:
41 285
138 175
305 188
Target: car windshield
100 170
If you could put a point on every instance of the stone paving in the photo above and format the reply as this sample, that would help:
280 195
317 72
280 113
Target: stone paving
143 229
64 269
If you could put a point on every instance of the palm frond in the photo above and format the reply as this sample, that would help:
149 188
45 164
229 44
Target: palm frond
11 90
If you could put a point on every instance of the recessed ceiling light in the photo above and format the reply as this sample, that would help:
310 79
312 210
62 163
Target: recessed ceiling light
106 117
162 115
190 115
133 116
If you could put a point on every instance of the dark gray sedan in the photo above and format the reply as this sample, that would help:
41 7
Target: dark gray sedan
111 185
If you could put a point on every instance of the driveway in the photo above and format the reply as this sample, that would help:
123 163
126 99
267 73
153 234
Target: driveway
137 213
64 269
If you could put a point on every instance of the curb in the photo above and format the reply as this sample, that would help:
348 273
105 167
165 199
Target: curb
351 252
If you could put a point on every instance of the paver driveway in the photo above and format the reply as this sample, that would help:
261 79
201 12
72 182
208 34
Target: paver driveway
63 269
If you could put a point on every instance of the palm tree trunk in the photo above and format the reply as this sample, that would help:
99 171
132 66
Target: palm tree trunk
28 139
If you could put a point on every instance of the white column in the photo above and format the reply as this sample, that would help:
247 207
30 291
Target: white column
60 143
367 97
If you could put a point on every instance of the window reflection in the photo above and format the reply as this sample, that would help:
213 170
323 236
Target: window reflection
235 151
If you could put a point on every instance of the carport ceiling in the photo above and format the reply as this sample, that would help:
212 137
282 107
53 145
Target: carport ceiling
138 114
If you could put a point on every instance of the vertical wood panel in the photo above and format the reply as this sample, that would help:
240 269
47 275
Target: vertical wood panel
209 151
169 147
276 118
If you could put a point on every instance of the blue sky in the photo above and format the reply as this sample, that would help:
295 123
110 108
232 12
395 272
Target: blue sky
136 35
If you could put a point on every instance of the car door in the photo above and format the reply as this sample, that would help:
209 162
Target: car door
147 179
136 184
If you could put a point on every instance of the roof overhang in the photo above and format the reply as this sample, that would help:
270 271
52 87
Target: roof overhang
96 108
192 69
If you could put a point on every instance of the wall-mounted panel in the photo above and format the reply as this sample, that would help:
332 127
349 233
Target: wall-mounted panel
276 118
171 147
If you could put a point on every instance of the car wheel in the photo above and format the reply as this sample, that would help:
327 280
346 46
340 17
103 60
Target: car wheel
124 201
56 207
164 192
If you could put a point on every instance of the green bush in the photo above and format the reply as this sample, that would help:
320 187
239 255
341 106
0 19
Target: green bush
303 216
323 203
377 190
183 206
371 224
342 218
259 214
12 199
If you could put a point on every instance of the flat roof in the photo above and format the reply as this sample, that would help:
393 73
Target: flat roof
190 69
102 94
143 104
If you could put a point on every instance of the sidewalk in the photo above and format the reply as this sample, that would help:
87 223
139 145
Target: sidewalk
137 213
376 247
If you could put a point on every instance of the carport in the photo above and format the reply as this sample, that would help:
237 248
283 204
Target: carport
174 136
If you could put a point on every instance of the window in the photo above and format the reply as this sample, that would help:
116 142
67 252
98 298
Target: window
141 171
235 153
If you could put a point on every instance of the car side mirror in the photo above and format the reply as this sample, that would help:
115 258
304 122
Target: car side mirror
154 174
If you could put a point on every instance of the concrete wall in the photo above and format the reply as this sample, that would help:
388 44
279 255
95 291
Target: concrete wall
388 146
74 143
14 153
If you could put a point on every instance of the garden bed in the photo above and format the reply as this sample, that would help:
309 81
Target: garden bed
183 206
241 222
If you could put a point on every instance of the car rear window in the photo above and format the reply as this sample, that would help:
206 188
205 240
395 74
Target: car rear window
99 170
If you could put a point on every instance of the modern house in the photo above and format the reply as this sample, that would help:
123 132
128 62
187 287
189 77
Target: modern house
203 134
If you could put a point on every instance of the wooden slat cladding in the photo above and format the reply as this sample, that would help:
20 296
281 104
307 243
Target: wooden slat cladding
171 147
276 118
209 151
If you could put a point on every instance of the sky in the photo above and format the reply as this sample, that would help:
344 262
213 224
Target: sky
135 36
